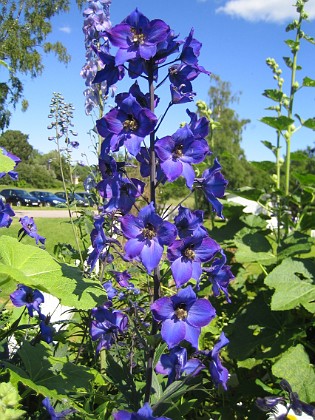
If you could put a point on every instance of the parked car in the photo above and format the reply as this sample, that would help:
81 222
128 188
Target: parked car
74 198
48 199
87 196
20 197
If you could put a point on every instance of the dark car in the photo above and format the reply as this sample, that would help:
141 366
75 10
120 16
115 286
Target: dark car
20 197
87 196
49 199
74 198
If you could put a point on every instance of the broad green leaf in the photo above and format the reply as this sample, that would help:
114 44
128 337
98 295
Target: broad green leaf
309 123
295 244
292 281
279 123
294 366
256 333
307 81
6 163
305 179
36 268
246 254
274 94
50 376
249 193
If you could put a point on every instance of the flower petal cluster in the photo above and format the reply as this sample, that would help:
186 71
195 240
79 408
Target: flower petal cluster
182 316
189 223
6 214
100 242
147 234
120 193
53 414
26 296
106 326
175 364
137 37
218 372
29 228
186 256
144 413
12 174
213 185
127 124
220 276
178 152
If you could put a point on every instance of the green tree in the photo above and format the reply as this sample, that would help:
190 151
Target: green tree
225 140
24 27
16 142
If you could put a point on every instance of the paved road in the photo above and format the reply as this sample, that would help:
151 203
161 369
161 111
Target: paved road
52 214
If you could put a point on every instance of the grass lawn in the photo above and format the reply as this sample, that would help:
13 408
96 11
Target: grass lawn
54 230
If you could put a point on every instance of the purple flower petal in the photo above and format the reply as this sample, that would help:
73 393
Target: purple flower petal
151 254
181 271
200 313
162 309
173 331
131 226
133 248
192 335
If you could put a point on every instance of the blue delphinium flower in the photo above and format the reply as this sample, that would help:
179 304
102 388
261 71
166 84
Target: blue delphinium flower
189 223
219 373
26 296
178 152
186 256
46 330
29 228
120 193
182 316
52 413
137 37
100 242
144 413
127 124
213 184
190 50
6 214
175 364
106 326
220 275
147 234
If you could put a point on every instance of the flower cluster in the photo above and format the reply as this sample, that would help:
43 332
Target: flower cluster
183 244
32 299
96 21
15 160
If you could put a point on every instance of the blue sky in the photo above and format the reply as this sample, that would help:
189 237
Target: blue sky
237 37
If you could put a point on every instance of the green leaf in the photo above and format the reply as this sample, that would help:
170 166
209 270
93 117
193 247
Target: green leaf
50 376
292 281
249 193
6 163
307 81
294 45
270 146
246 254
309 123
295 367
279 123
274 94
305 179
295 244
36 268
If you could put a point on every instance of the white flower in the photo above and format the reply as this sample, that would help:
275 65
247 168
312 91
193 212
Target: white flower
280 410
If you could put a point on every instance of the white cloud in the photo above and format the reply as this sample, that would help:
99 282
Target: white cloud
65 29
265 10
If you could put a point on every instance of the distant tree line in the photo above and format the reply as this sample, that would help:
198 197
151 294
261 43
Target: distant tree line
36 170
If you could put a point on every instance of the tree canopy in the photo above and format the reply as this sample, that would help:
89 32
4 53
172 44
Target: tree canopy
24 27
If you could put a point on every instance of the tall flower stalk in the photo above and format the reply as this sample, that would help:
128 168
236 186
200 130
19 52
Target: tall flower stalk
143 48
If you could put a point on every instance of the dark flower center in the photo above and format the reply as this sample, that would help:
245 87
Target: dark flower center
29 297
149 231
178 151
189 253
130 123
181 311
137 37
